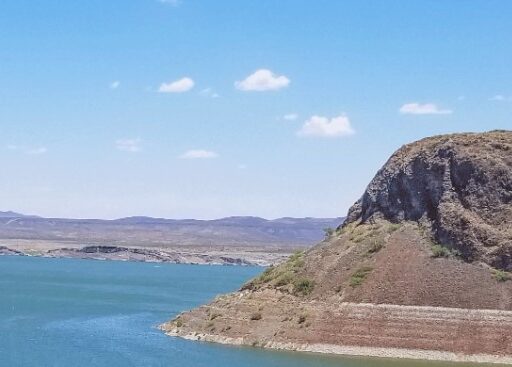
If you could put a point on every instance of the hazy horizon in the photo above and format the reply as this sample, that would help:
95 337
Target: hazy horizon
166 218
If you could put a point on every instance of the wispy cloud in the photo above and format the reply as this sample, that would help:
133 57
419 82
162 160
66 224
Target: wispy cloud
291 117
170 2
36 151
323 127
129 145
198 154
28 150
178 86
500 98
209 92
262 80
416 108
115 84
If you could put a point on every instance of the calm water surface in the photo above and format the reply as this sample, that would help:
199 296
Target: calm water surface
78 313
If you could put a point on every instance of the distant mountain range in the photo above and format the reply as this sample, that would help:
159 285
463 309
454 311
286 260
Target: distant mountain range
147 231
10 214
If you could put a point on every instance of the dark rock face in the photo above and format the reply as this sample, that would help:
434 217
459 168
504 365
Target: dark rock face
459 186
7 251
102 249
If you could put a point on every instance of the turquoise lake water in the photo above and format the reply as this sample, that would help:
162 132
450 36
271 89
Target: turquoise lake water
85 313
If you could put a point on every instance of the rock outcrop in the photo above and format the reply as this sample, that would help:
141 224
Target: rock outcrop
420 268
460 186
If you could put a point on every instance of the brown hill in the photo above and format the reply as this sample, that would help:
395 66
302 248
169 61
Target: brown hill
419 268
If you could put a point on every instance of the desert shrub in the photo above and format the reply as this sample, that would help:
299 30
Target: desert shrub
303 286
328 232
179 322
266 276
456 252
281 275
363 232
375 246
393 227
359 276
284 279
295 261
440 251
501 275
256 316
302 319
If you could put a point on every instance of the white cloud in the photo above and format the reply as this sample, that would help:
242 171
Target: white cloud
115 84
198 154
129 145
500 98
415 108
28 150
319 126
208 92
178 86
291 116
262 80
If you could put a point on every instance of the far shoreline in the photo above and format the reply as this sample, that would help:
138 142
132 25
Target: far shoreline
184 255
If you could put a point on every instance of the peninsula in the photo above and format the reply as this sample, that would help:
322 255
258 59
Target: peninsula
420 268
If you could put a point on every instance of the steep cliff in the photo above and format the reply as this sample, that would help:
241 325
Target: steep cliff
459 186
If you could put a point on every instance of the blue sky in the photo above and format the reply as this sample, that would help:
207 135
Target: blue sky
206 109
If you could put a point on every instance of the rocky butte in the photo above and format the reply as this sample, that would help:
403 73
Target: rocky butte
421 267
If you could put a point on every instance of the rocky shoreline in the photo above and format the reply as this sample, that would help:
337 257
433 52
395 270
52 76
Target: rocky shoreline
185 255
396 325
394 353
